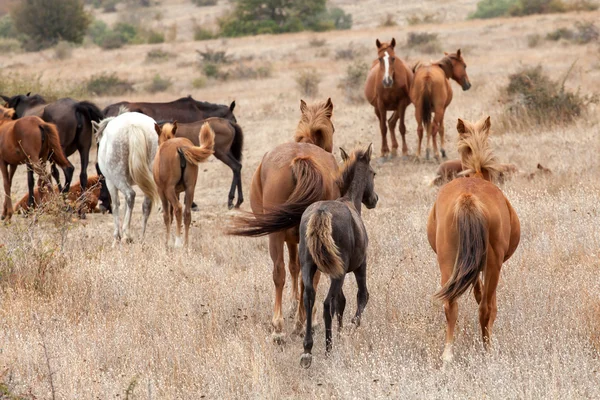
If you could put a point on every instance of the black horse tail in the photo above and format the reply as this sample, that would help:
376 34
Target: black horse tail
238 141
89 110
426 106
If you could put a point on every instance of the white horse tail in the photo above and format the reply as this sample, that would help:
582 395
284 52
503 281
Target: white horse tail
139 163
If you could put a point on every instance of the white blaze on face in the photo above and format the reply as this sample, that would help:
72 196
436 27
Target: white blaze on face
386 62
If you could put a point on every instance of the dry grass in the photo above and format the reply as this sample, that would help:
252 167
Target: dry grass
143 322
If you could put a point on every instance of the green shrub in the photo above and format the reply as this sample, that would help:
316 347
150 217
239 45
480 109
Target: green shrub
424 42
585 32
501 8
202 34
107 85
307 82
210 69
492 8
158 84
199 82
154 37
10 46
352 84
45 22
7 27
204 3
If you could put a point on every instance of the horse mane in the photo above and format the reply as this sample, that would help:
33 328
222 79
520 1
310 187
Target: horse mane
446 64
315 125
166 133
346 174
99 127
475 152
7 113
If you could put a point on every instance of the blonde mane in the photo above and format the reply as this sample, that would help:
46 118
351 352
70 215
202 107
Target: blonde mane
475 152
6 113
98 127
315 125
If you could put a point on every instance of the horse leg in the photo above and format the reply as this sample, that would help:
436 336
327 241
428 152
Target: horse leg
392 125
294 268
451 311
129 204
177 210
300 314
329 306
166 215
69 171
84 156
308 273
435 127
428 128
146 210
442 133
362 296
236 182
477 290
487 307
7 199
419 119
104 192
380 112
56 176
115 203
30 186
276 241
401 115
187 212
341 306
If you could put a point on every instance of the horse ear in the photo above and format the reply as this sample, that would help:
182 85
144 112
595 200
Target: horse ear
445 53
487 124
174 129
369 152
393 43
28 94
157 129
460 127
458 53
232 106
95 126
329 107
344 155
6 98
378 43
303 106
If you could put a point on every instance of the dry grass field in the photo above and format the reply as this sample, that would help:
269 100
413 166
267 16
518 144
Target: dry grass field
140 322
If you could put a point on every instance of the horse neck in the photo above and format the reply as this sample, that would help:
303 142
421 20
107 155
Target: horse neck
355 192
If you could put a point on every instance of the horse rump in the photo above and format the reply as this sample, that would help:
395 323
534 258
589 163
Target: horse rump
238 141
473 240
50 133
320 244
139 163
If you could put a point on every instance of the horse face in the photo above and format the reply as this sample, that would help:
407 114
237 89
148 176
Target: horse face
370 197
386 63
459 72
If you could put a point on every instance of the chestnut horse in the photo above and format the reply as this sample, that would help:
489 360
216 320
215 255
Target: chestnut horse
30 141
290 178
86 200
175 170
388 89
432 92
229 141
473 229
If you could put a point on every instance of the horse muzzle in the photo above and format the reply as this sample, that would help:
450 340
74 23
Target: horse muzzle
372 202
388 82
466 85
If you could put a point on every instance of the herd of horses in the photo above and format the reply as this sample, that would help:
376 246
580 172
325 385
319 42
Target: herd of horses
300 197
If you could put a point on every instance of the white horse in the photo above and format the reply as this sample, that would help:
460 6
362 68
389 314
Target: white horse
127 145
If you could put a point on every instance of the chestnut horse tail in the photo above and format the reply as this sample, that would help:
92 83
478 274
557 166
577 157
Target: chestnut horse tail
426 103
471 256
50 133
310 188
238 141
197 154
139 162
321 246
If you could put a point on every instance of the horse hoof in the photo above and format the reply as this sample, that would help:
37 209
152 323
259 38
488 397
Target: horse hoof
444 154
178 242
278 338
230 205
195 208
128 240
306 360
356 321
82 216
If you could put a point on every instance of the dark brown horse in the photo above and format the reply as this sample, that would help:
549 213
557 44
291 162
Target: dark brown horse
175 170
289 178
229 141
388 89
333 240
432 92
73 120
31 141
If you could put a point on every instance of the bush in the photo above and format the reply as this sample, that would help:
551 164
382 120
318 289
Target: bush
202 34
560 33
501 8
154 37
585 32
10 46
158 84
204 3
199 82
533 98
424 42
213 56
159 56
388 21
533 40
46 22
107 85
316 42
52 90
7 27
350 52
308 82
63 51
492 9
352 84
210 69
121 34
428 18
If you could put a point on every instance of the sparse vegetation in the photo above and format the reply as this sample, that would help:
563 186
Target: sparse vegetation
424 18
17 83
108 85
353 83
349 53
316 42
159 84
202 33
205 3
63 51
585 32
199 83
533 40
159 56
308 81
388 20
424 42
122 33
502 8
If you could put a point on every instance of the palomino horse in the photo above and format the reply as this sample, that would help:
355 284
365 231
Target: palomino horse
229 141
30 141
333 240
432 92
448 170
473 229
175 171
388 89
289 178
126 148
86 199
73 120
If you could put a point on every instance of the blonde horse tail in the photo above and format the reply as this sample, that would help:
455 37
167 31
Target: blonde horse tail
321 246
139 163
197 154
166 133
471 256
50 133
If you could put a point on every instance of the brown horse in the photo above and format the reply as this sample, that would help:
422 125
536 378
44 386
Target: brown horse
432 92
88 199
290 178
388 89
229 141
448 170
30 141
473 229
175 170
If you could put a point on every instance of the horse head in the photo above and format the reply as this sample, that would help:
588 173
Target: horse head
459 70
23 102
386 57
315 125
357 167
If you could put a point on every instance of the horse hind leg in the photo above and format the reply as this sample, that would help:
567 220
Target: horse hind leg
392 126
362 296
439 125
294 268
146 210
166 215
173 199
276 241
329 306
308 273
7 206
341 306
129 204
115 203
56 176
488 307
187 212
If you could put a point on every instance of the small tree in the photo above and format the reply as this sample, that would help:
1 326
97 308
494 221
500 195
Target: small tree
46 22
